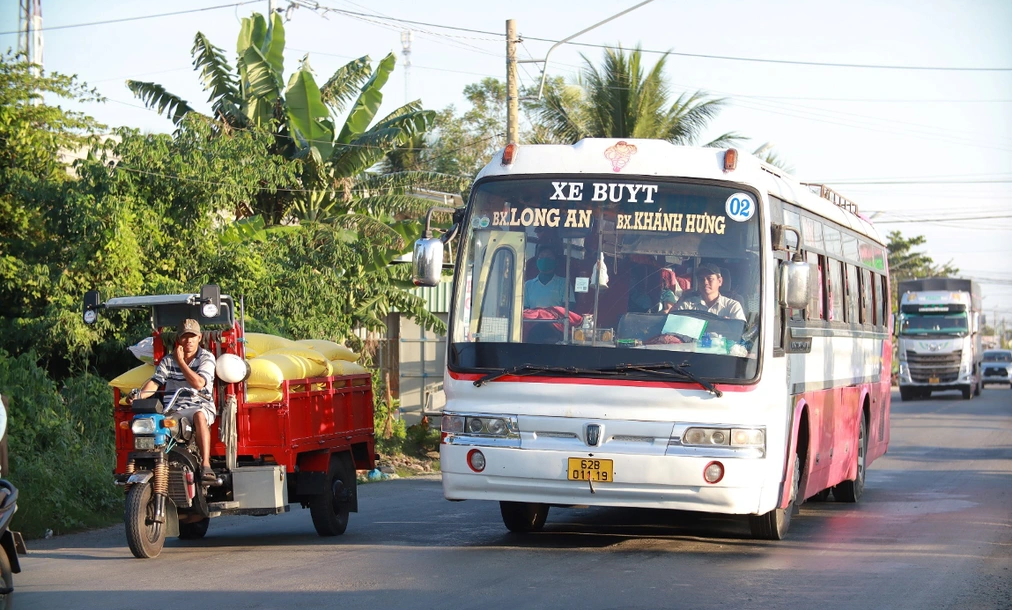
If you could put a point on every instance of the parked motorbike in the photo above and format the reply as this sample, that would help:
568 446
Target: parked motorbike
165 495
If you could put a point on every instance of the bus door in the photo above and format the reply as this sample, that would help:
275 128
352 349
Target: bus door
497 297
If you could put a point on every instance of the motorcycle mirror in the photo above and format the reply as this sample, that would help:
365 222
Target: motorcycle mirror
210 300
90 309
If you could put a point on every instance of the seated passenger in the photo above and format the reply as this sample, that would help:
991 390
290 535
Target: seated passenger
547 289
707 295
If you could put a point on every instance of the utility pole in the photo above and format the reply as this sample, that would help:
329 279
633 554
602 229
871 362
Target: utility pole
512 95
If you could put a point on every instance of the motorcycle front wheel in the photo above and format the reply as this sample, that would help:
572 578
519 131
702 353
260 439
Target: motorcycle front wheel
144 535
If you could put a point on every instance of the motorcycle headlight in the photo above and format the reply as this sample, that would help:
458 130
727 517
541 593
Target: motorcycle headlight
143 426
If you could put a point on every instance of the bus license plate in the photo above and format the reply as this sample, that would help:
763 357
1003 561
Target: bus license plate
932 379
586 469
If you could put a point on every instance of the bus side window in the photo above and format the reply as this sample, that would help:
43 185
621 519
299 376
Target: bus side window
815 309
877 307
853 295
837 291
867 300
885 302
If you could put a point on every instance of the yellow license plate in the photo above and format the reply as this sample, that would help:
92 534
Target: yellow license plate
932 379
591 469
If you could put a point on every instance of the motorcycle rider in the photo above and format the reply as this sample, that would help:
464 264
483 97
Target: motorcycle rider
188 366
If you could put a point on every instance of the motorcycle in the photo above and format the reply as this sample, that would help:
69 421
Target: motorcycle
11 542
165 495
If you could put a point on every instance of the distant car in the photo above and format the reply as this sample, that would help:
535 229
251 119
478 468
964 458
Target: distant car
998 366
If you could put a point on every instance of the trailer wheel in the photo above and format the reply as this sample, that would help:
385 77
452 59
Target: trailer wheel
195 530
331 508
774 524
523 517
144 536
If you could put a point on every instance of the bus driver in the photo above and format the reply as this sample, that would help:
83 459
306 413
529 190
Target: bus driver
707 295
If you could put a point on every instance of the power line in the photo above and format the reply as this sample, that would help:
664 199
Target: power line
138 18
695 55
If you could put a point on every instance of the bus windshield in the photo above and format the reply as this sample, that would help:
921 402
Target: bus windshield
590 273
933 324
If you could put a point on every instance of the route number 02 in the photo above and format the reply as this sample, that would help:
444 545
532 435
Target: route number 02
740 207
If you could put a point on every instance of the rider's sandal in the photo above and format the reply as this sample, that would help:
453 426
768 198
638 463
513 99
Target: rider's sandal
207 475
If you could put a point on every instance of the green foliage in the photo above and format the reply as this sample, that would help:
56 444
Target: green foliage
61 448
622 100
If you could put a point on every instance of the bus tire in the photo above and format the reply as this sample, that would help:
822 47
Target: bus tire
523 517
774 524
851 491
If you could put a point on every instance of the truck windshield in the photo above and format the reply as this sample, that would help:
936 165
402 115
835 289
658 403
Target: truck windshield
588 273
927 324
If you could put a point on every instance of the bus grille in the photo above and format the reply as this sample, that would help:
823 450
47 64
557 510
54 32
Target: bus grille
943 366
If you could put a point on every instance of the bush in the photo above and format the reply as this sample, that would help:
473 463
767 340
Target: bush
62 448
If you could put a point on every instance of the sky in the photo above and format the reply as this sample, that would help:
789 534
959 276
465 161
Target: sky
904 107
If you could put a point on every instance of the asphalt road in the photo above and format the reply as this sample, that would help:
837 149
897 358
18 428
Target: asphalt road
933 530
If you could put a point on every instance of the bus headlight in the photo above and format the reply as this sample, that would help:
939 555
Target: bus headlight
483 426
754 438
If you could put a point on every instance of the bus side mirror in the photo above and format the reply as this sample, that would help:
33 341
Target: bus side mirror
427 261
795 285
90 308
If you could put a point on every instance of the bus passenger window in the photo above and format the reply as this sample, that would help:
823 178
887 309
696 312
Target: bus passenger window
837 291
867 300
853 295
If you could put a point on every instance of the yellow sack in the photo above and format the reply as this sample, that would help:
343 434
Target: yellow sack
263 395
261 343
333 351
134 378
314 364
264 374
343 367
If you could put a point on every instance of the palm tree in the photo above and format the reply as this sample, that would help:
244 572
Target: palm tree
620 101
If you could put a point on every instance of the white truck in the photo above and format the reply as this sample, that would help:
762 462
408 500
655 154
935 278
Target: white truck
939 337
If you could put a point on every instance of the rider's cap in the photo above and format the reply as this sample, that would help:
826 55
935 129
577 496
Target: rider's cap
707 269
188 326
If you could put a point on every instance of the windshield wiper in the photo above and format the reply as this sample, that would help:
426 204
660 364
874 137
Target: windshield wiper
680 370
533 369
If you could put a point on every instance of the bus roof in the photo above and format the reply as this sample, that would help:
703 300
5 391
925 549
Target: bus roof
638 157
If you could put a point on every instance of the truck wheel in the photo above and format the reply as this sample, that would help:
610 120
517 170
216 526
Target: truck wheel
144 536
331 508
195 530
6 581
774 524
851 491
523 517
967 392
906 394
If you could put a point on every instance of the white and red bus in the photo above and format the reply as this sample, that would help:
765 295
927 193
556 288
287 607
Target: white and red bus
618 378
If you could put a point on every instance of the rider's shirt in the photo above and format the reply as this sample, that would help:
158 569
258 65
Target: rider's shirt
168 373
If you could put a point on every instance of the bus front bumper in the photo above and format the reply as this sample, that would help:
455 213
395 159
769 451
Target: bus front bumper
643 481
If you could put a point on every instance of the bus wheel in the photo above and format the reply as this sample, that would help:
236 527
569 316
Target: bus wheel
851 491
774 524
523 517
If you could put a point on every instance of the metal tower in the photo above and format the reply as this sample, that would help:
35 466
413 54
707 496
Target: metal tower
406 38
30 30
